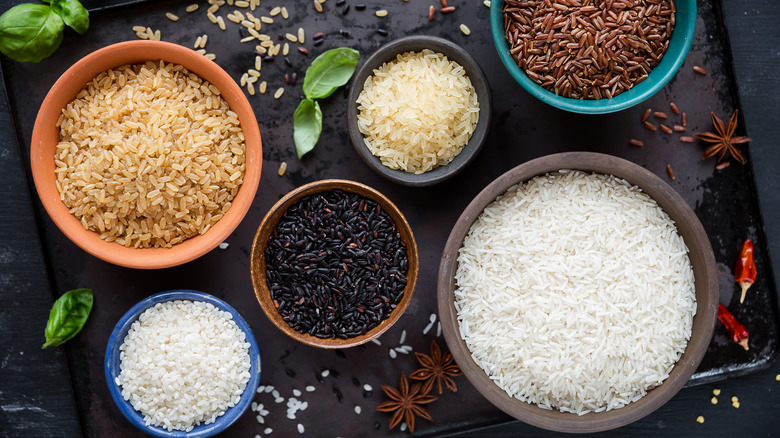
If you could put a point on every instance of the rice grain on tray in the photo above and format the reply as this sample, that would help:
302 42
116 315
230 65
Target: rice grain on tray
418 111
149 155
183 363
575 292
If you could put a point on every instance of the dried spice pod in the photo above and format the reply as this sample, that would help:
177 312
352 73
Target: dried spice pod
405 403
436 369
723 139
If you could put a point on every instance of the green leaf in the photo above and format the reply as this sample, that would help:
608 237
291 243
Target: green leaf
30 32
329 71
72 13
68 316
307 126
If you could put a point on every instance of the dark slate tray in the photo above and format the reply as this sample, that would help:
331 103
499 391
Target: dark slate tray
523 128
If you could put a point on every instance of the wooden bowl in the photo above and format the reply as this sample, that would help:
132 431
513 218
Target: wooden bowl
387 53
267 226
700 254
45 137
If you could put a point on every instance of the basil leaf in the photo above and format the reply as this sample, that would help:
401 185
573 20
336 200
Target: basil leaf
307 126
68 316
329 71
72 13
30 32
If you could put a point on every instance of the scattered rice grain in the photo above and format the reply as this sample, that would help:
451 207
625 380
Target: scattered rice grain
279 93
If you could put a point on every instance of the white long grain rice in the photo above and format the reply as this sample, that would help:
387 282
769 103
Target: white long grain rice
575 292
418 111
147 155
183 363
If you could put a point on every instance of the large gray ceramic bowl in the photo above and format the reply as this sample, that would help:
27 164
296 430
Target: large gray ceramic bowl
387 53
704 271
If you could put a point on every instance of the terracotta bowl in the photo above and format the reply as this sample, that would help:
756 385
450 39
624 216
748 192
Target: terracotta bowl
45 137
454 52
700 254
258 262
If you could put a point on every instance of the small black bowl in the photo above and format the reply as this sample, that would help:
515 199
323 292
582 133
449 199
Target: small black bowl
387 53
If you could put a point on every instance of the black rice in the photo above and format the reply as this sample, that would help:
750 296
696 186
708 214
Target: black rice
336 265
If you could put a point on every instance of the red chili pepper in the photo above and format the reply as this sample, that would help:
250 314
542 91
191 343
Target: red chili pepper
745 274
737 331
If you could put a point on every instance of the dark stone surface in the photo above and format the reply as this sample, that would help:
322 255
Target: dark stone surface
35 395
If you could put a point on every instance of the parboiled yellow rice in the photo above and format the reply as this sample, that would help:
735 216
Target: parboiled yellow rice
418 111
149 155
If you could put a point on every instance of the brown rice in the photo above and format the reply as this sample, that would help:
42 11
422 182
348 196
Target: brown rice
149 155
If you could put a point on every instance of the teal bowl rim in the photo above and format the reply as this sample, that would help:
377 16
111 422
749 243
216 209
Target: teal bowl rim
682 38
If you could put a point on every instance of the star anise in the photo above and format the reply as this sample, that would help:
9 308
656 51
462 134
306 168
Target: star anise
405 403
436 369
723 139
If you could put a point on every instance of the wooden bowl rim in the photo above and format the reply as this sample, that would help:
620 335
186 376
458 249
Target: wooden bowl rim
702 261
271 219
45 137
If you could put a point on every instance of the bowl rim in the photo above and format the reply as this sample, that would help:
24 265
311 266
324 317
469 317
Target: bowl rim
706 292
42 162
682 38
271 219
111 365
452 51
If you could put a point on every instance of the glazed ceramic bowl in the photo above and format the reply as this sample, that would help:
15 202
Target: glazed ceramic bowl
680 42
112 365
702 261
387 53
258 261
45 137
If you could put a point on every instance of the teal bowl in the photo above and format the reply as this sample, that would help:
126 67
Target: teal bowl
680 42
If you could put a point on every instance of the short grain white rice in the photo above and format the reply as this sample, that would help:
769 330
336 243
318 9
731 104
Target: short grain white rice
575 292
183 363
